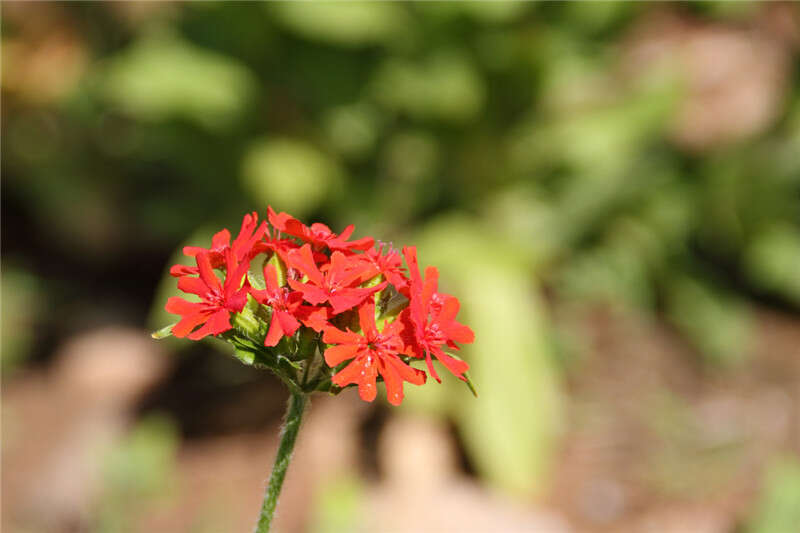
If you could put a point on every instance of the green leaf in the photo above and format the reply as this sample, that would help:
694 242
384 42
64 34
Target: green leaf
162 76
778 509
446 86
510 433
289 174
349 24
163 333
715 320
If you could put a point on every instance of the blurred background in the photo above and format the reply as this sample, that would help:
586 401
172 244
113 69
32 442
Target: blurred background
613 190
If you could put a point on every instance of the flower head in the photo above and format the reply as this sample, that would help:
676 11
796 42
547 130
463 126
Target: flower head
246 245
217 300
321 293
318 235
432 319
372 353
338 285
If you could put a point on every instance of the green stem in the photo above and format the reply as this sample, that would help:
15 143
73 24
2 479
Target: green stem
294 415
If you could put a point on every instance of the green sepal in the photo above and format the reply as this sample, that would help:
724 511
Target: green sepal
374 281
280 269
163 333
306 339
468 382
283 361
246 321
390 304
256 272
244 355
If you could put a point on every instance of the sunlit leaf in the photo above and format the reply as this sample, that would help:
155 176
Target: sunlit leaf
162 76
511 431
343 23
290 175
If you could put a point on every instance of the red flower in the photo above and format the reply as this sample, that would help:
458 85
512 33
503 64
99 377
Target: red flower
338 285
390 265
245 246
373 353
283 303
318 235
432 317
217 300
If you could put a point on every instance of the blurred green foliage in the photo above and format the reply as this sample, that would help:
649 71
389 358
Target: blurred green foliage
139 475
510 430
337 505
779 508
526 116
22 302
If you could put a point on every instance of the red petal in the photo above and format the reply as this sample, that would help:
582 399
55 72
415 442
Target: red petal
193 251
415 376
345 270
341 352
271 279
459 332
315 318
178 306
429 364
364 243
366 386
235 274
430 286
220 240
275 331
410 253
193 286
346 232
455 366
278 220
218 323
207 273
189 322
394 383
334 335
248 225
366 317
289 324
311 293
303 260
182 270
450 307
345 299
352 373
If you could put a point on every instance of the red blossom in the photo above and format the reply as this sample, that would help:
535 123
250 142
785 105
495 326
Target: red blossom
283 303
288 310
432 317
217 300
338 285
318 235
389 264
325 278
373 353
246 245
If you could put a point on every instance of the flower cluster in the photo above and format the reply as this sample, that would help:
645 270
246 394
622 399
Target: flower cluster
289 296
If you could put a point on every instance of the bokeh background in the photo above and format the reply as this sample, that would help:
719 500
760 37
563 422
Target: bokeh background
613 189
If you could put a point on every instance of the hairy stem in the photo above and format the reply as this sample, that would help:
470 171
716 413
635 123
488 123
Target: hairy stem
294 415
